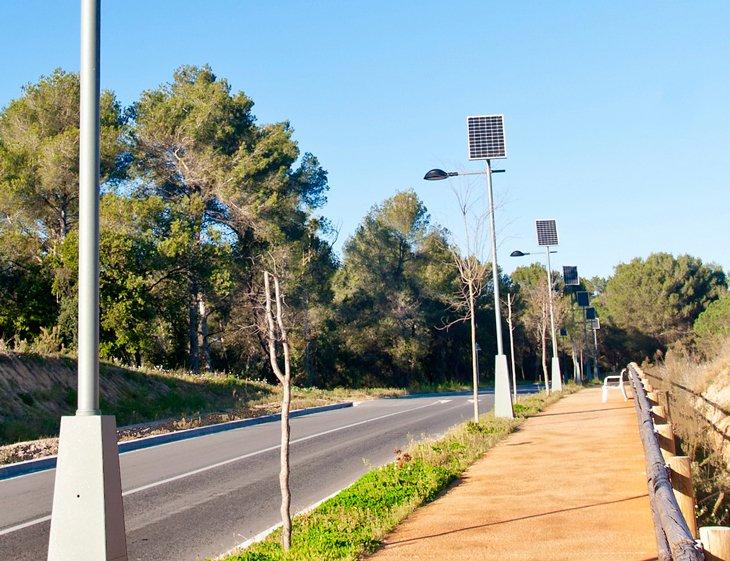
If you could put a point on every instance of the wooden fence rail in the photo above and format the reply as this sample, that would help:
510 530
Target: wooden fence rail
674 538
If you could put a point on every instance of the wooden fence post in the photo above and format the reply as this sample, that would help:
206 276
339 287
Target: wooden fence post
665 437
680 473
663 397
659 415
716 542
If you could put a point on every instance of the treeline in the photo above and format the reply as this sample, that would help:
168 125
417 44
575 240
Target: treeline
663 301
198 199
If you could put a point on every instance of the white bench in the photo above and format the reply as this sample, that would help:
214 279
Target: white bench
619 385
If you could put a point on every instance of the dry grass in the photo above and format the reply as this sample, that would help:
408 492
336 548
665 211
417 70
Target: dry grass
35 391
691 417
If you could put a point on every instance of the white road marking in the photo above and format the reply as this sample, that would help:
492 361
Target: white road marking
226 462
265 533
24 525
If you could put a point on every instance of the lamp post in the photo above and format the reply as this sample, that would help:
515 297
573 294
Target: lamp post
595 349
87 522
502 399
556 380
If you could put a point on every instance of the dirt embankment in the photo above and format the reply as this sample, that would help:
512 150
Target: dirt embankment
36 391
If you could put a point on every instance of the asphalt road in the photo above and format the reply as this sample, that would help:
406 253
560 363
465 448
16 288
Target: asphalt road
198 498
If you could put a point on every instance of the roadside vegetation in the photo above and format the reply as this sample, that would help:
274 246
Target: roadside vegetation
35 391
355 521
702 425
198 195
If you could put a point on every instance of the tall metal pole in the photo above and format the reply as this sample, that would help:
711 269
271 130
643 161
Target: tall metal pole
550 301
88 334
586 353
87 522
595 347
556 379
495 271
502 398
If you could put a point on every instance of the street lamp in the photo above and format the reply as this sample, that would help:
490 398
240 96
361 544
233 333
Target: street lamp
87 522
486 142
556 379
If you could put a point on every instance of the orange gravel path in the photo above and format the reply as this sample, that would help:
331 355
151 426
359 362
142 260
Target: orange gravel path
569 485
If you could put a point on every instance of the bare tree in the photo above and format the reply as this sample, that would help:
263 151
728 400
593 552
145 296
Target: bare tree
510 324
536 318
277 333
472 274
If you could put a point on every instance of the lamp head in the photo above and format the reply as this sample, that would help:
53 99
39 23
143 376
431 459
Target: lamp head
438 174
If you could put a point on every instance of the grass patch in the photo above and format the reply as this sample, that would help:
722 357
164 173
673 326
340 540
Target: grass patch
355 521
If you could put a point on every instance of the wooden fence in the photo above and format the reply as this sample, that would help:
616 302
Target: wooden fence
722 432
669 480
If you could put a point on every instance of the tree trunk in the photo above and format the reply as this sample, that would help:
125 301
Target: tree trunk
284 472
285 379
543 349
63 222
576 366
193 310
474 356
203 339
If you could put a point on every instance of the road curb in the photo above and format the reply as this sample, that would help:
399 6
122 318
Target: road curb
41 464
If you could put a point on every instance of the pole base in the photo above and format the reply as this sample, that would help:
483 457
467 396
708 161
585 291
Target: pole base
502 394
87 523
556 380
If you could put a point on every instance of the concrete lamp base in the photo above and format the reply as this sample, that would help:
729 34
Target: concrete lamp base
502 394
556 380
87 523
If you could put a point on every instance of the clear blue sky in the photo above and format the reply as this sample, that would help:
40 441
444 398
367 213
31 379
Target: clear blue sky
617 113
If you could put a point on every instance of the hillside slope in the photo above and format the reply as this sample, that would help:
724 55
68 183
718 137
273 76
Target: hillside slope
35 391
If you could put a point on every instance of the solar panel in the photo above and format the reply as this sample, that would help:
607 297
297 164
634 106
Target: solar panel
591 313
570 275
582 299
486 137
547 232
563 332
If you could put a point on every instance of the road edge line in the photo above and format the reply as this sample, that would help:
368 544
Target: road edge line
27 467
